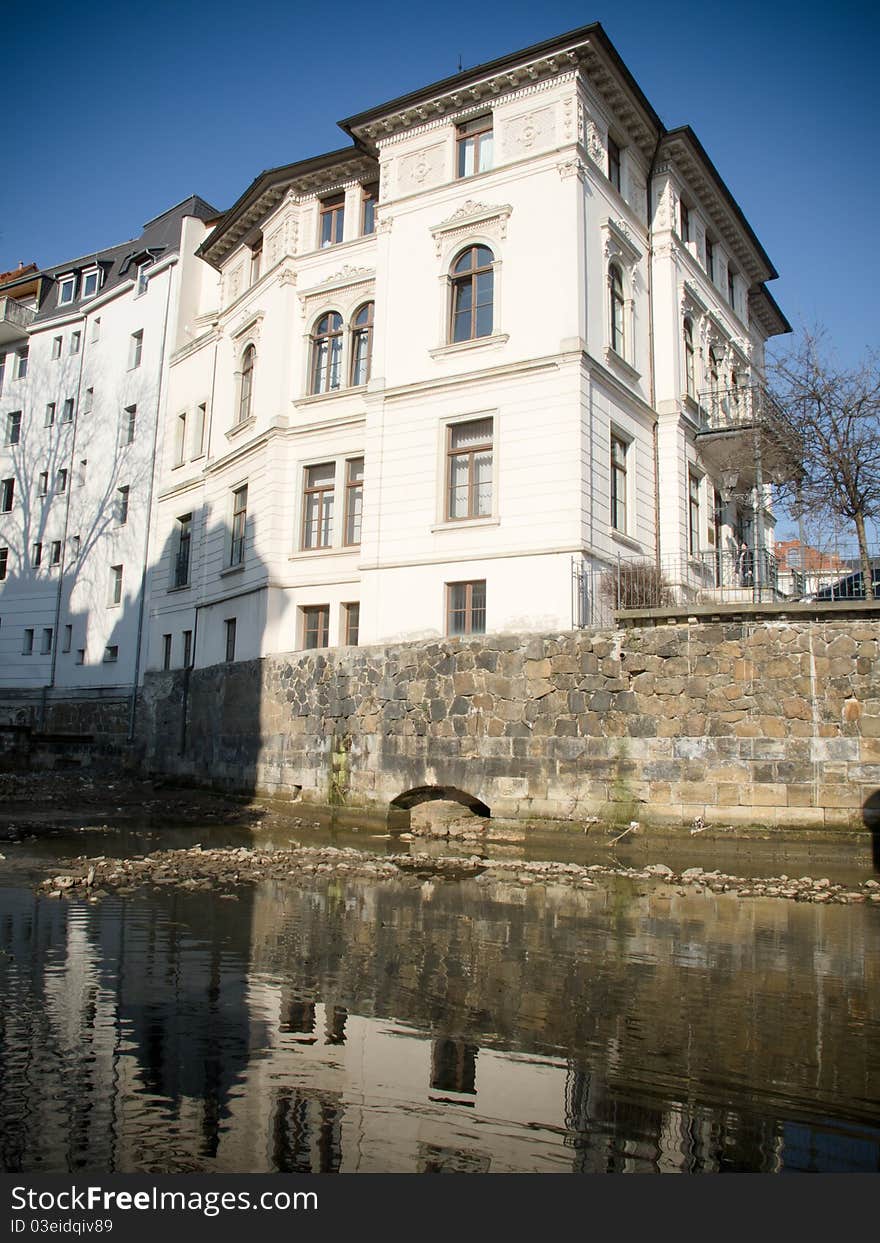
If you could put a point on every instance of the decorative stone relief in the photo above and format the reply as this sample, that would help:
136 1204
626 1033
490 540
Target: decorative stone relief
470 217
421 169
248 326
235 283
384 223
595 144
571 168
529 131
568 115
273 245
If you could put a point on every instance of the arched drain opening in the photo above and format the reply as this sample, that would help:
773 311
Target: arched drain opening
438 811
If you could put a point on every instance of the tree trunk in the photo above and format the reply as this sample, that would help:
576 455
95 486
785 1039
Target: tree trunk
867 570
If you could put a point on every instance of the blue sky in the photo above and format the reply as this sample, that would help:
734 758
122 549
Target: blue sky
116 111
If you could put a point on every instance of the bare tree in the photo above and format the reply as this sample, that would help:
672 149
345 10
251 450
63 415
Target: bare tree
836 412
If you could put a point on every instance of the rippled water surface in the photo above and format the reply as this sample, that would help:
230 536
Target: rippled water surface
433 1027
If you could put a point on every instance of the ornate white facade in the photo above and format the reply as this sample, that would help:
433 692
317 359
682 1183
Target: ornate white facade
418 379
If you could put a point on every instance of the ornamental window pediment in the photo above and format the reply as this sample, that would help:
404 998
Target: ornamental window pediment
487 219
618 243
342 289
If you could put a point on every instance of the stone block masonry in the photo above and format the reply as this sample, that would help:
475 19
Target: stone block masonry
736 721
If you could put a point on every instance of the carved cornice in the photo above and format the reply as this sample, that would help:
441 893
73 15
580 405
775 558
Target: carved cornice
619 242
470 217
691 299
249 325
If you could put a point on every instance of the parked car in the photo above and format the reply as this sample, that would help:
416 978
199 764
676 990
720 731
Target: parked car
850 588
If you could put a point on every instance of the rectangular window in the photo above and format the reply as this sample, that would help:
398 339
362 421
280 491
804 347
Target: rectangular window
7 495
731 286
21 358
256 261
354 499
43 483
187 648
27 645
710 258
2 370
474 145
180 439
13 427
466 608
166 651
316 626
614 163
135 349
122 497
111 654
318 506
88 401
332 220
469 470
89 284
57 343
198 438
67 641
46 641
75 342
114 595
37 555
67 410
83 469
129 425
55 554
369 202
142 280
61 480
239 525
96 329
50 414
80 655
685 221
66 290
230 638
184 541
693 514
75 544
352 617
618 482
4 562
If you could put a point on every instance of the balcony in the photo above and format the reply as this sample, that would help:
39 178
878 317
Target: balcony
15 319
744 433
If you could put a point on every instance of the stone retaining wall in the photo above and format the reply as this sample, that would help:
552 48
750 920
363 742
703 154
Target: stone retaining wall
734 722
64 728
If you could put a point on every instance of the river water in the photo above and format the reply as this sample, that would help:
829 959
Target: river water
437 1026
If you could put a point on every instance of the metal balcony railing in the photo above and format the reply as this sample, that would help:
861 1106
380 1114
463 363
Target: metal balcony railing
15 319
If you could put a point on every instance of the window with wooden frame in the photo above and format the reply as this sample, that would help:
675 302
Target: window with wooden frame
316 626
617 310
230 627
326 348
184 545
351 614
369 203
362 343
135 349
332 220
256 262
684 219
474 142
619 450
320 484
7 495
690 384
693 514
469 452
239 525
246 384
614 163
473 292
466 608
354 499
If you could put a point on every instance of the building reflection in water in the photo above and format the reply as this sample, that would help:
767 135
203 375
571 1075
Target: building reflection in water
437 1028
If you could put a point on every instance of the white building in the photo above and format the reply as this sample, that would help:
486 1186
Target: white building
442 380
83 363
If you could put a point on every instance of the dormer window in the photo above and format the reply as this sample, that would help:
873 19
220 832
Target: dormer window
66 290
90 283
142 278
474 145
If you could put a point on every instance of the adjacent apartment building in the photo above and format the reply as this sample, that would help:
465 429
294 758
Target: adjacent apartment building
431 383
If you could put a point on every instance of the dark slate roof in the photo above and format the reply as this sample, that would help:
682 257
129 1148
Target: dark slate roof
160 236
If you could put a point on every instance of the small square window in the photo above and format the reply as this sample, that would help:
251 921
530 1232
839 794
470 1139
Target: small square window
316 626
466 608
111 653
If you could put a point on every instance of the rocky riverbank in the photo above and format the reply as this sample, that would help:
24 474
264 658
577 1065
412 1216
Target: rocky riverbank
225 869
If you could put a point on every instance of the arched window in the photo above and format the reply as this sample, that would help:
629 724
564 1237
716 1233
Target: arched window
617 309
246 388
327 353
473 292
689 376
362 343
